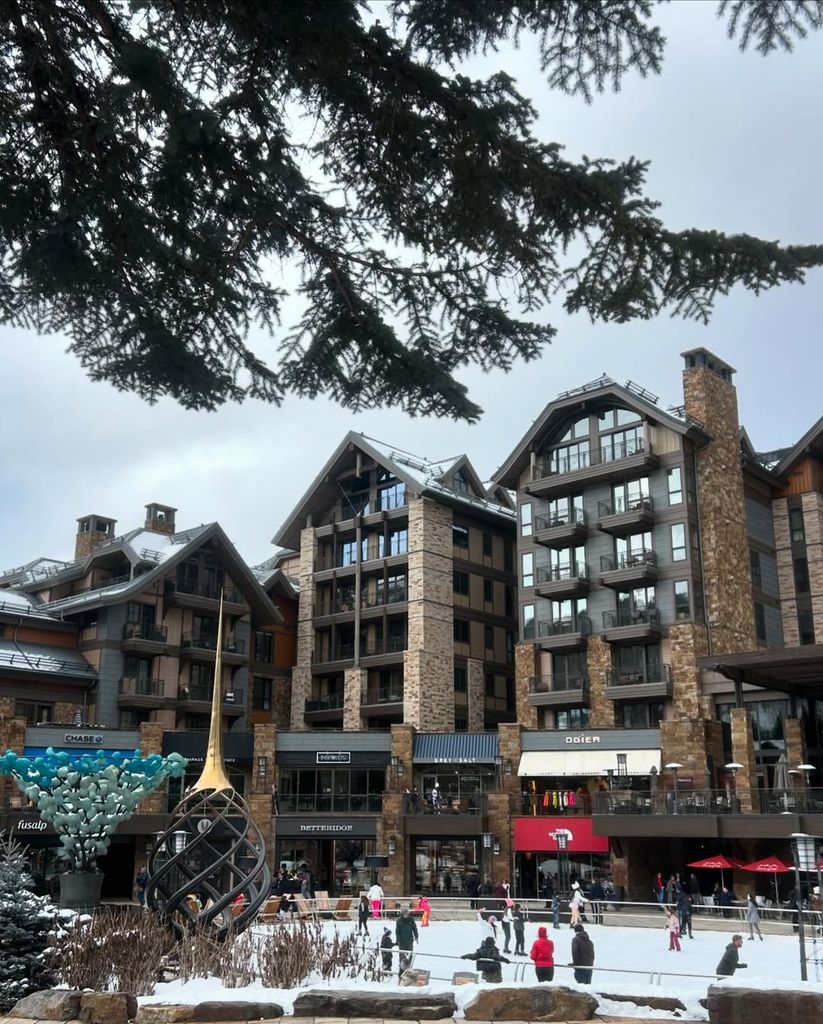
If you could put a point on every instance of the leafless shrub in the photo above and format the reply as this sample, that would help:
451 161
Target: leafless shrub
287 956
116 949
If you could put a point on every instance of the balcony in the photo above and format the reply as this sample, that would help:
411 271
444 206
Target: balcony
709 802
562 580
628 569
564 634
197 699
561 531
140 636
629 625
621 517
611 462
142 693
203 597
324 709
204 646
382 702
546 692
388 650
654 682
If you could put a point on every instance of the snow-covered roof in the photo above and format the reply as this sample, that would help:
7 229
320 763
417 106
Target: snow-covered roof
44 658
16 602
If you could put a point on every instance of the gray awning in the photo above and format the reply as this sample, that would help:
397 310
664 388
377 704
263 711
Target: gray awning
456 748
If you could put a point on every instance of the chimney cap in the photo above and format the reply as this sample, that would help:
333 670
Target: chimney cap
160 508
700 356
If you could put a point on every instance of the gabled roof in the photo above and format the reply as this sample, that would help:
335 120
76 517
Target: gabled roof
571 402
420 475
156 553
811 443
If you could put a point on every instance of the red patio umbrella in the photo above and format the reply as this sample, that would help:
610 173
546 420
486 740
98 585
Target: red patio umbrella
772 865
717 862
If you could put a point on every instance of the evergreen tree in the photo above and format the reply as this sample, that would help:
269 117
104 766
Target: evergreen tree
25 922
159 161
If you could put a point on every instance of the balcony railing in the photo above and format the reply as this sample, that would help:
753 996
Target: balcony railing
642 503
344 803
575 516
583 460
204 693
709 801
145 631
332 703
392 645
208 642
627 560
211 593
631 617
557 573
132 687
385 695
654 673
561 627
549 684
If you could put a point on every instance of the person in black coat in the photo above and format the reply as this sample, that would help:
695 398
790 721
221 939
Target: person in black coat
582 955
684 913
488 959
363 915
386 946
730 961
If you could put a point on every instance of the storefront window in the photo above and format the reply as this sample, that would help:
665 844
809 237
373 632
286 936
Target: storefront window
460 788
340 790
337 865
444 866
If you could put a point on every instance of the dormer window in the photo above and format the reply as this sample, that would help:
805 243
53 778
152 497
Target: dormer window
580 428
460 483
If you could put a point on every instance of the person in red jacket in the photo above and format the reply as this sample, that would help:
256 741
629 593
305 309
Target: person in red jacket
542 952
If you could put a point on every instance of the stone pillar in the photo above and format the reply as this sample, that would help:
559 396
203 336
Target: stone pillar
402 746
390 829
599 662
785 572
12 737
428 665
354 683
508 735
712 401
795 746
476 695
743 753
688 641
812 504
526 666
301 674
694 743
499 819
151 742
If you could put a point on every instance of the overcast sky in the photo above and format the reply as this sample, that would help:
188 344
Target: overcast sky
735 144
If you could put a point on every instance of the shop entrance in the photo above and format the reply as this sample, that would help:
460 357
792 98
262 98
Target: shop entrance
337 865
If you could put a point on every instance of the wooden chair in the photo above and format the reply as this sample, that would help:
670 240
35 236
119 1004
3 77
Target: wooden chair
271 910
342 908
304 911
322 903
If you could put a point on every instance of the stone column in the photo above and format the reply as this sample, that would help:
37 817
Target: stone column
785 572
688 641
599 662
476 695
428 664
390 829
743 753
301 674
526 666
712 401
12 737
150 739
354 683
499 819
795 746
812 505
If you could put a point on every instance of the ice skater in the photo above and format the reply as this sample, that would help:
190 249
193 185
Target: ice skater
753 918
673 926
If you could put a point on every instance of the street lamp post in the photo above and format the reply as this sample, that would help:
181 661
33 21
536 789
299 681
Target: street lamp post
562 840
733 767
806 768
674 767
804 853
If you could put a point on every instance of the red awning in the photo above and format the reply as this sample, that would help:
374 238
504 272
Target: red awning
538 834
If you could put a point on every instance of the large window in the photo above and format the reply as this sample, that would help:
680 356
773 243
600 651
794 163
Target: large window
618 417
345 790
569 458
805 626
355 496
461 631
681 599
398 542
34 713
632 550
393 496
262 694
641 715
566 563
569 671
674 478
678 542
394 590
639 663
460 583
460 537
488 638
572 718
461 679
263 647
526 519
796 526
528 622
801 575
564 510
527 569
629 495
636 605
622 444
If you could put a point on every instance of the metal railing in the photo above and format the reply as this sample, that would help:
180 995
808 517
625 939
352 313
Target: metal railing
709 801
581 624
558 573
627 560
549 684
392 645
45 663
211 593
331 703
653 673
145 631
629 617
575 516
384 695
204 693
344 803
549 466
643 503
129 686
208 642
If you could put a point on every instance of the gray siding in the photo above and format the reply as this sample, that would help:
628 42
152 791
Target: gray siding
108 686
768 575
759 522
774 627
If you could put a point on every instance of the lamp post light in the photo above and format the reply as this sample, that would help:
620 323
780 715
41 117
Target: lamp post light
561 837
734 804
804 853
674 767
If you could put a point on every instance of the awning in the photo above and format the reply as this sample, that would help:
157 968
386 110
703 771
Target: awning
455 748
541 834
585 763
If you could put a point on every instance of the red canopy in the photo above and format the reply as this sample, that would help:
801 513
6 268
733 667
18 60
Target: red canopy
716 862
768 864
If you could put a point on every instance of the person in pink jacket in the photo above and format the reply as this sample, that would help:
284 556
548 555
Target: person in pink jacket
673 925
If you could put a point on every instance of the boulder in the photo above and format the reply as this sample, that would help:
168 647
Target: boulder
50 1004
532 1003
465 978
395 1005
731 1005
107 1007
414 977
653 1002
164 1013
220 1011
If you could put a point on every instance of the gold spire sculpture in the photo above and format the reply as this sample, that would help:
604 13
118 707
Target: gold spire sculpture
209 866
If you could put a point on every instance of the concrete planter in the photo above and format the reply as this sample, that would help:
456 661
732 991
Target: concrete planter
80 890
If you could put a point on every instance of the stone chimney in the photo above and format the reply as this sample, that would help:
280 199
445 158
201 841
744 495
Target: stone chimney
710 397
92 531
160 518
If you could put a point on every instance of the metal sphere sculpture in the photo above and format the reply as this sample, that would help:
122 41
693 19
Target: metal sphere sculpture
84 797
209 867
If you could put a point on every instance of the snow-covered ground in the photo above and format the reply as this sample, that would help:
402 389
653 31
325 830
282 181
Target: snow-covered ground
624 961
